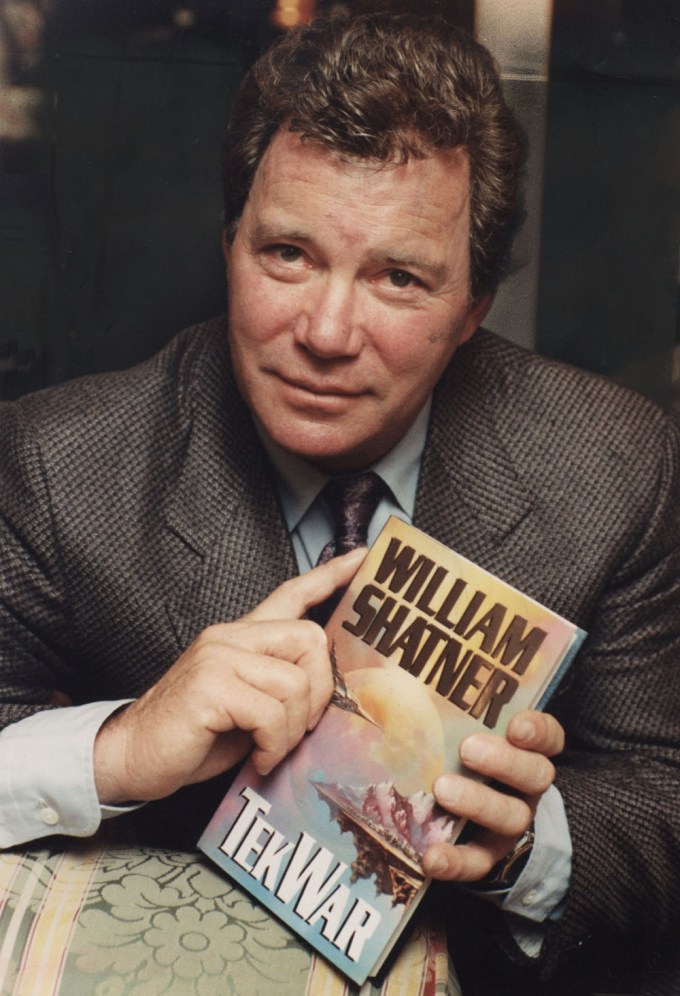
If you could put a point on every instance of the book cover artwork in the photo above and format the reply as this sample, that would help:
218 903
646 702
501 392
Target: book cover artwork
426 648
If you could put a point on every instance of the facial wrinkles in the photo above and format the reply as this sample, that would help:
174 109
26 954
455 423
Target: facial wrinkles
330 222
404 223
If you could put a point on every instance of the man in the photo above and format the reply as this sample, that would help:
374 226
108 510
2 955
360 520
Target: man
370 186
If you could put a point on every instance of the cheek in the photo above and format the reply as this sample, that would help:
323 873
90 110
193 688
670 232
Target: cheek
258 313
414 349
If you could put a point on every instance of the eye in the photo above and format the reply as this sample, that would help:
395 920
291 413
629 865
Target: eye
401 278
286 253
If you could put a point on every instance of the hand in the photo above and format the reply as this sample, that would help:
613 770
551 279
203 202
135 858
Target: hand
519 761
260 682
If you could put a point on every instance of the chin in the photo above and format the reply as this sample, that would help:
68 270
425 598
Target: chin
327 449
316 452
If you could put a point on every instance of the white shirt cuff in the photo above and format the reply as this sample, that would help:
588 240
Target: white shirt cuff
540 891
47 775
544 882
539 894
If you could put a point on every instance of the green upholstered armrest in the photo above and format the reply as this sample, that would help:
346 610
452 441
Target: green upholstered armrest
90 918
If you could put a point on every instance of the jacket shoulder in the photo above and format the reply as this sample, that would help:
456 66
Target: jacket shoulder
91 437
551 406
588 456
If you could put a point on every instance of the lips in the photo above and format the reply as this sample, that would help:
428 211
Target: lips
319 389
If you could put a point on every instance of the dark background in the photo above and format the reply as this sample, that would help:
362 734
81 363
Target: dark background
111 117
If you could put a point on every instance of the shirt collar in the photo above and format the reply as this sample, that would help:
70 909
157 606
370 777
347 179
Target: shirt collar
300 482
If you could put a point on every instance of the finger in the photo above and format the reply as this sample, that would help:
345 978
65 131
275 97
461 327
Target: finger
295 597
297 642
494 757
537 731
302 644
269 701
273 729
484 805
465 862
293 686
290 686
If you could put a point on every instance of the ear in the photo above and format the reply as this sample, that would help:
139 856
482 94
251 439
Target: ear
478 311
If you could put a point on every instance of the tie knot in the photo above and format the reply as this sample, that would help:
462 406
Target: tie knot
352 499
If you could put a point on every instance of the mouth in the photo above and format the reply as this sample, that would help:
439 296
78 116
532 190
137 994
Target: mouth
317 389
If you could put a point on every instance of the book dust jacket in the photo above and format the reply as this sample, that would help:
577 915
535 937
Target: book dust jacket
426 648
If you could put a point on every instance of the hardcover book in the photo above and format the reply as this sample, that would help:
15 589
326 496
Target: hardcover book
426 648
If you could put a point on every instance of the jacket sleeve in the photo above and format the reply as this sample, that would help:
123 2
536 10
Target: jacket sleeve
620 774
33 604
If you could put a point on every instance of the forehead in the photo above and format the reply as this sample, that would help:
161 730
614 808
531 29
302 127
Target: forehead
426 197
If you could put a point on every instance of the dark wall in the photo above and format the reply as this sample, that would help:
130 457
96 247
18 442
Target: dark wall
110 200
609 249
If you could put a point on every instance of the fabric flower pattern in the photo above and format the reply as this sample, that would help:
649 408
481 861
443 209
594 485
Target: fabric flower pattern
169 925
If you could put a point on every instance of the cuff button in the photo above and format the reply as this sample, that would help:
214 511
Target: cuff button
49 816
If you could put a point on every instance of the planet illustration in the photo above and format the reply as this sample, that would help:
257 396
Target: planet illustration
412 741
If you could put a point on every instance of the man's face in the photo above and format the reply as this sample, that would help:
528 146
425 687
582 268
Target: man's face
348 294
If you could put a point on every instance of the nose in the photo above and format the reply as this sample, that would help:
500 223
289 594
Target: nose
328 326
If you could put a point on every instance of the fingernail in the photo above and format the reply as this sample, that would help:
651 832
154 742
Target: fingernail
474 750
522 730
446 790
437 867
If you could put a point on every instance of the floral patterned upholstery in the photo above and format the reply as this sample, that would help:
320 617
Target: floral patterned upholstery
114 920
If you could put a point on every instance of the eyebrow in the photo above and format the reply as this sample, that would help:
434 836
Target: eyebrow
264 232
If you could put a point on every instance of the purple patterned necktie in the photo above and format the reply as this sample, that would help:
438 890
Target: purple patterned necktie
351 499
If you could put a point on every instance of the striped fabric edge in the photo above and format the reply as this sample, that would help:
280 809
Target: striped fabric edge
40 955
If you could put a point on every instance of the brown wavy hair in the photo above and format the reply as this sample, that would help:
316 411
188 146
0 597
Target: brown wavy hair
386 87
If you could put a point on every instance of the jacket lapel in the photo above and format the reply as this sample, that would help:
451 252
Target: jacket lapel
230 545
470 496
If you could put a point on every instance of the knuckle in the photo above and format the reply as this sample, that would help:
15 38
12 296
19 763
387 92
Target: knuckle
547 776
315 634
552 733
214 633
314 639
272 723
560 740
519 818
300 683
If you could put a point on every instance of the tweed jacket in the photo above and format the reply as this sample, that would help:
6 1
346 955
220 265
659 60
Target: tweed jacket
138 507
